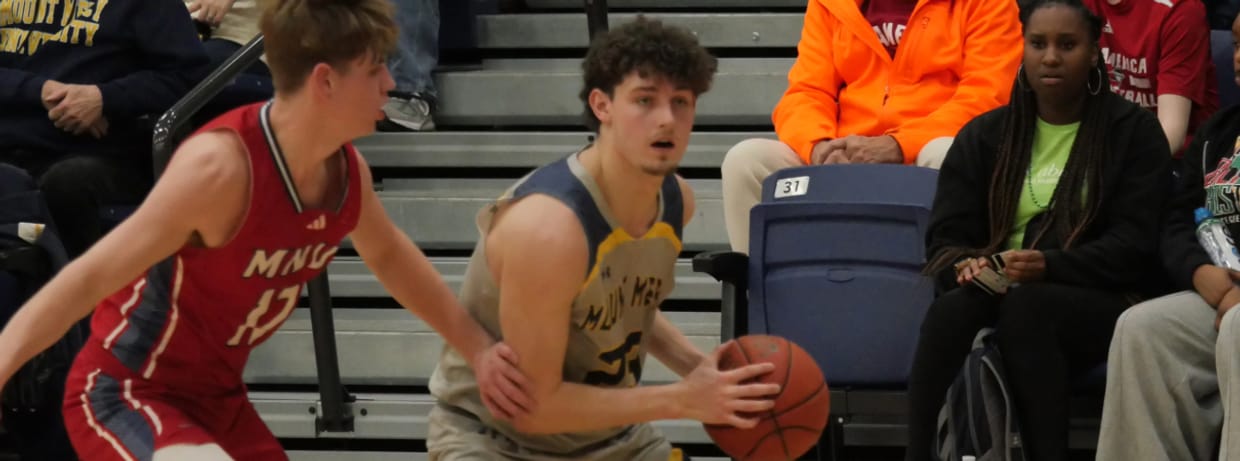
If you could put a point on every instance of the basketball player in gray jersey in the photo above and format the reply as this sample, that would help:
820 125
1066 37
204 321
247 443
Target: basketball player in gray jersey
573 263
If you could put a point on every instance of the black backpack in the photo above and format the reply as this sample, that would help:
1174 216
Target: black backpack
30 254
978 418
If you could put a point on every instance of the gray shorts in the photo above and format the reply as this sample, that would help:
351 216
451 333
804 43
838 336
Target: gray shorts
458 436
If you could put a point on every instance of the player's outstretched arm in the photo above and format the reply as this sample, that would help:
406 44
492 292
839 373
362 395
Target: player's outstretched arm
539 254
205 181
408 275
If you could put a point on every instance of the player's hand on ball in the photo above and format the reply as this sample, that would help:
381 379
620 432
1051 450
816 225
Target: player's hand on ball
502 383
721 397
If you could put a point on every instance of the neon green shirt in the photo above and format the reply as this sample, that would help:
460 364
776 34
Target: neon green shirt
1052 144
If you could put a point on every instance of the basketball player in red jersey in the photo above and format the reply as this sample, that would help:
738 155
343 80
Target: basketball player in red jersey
250 208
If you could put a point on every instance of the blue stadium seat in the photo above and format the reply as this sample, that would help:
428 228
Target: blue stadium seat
835 265
840 266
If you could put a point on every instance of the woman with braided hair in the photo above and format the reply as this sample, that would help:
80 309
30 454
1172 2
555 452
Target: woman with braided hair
1066 183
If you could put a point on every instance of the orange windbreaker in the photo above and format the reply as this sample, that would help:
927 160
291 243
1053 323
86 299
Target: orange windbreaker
956 60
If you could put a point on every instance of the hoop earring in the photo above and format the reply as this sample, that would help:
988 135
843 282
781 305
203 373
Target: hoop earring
1021 81
1095 89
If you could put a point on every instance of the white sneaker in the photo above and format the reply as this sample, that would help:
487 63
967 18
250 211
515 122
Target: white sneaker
411 113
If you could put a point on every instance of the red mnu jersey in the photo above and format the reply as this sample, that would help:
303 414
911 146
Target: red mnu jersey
191 320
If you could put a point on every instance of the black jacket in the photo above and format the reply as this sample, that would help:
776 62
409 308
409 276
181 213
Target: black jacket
1119 249
1211 151
143 55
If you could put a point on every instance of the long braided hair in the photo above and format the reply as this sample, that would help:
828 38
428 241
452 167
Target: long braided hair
1077 198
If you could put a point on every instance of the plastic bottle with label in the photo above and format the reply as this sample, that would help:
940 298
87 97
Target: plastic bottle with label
1216 240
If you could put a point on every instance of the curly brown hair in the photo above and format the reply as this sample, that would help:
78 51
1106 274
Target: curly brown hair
650 48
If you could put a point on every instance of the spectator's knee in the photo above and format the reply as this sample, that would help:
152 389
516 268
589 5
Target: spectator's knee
1025 315
741 158
933 153
957 312
72 176
1141 322
939 314
755 158
1229 330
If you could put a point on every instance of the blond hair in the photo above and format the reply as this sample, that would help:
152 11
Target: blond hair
299 34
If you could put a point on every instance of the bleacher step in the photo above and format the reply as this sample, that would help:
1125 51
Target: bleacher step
394 416
670 4
440 213
381 456
569 30
305 455
541 92
349 277
518 149
392 347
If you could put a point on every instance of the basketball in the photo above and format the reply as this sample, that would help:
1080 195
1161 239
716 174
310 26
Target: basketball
802 407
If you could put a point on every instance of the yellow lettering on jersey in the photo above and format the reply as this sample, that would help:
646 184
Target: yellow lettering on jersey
29 8
85 9
90 29
11 39
79 21
6 13
676 455
620 237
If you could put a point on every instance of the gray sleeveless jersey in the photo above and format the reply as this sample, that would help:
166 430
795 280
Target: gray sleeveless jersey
626 281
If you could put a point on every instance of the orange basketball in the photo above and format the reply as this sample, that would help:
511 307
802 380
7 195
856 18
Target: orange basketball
801 410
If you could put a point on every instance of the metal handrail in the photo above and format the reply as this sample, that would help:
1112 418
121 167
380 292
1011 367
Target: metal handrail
171 126
596 17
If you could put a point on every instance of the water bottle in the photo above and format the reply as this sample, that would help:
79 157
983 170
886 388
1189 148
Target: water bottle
1216 240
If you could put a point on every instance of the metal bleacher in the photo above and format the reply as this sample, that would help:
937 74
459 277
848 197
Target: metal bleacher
497 121
514 112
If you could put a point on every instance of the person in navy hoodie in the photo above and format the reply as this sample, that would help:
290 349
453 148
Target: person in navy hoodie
78 79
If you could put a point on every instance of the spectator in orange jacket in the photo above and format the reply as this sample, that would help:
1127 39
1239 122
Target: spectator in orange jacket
860 93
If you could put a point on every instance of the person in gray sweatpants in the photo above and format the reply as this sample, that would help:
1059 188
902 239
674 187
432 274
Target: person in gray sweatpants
1173 374
1172 383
